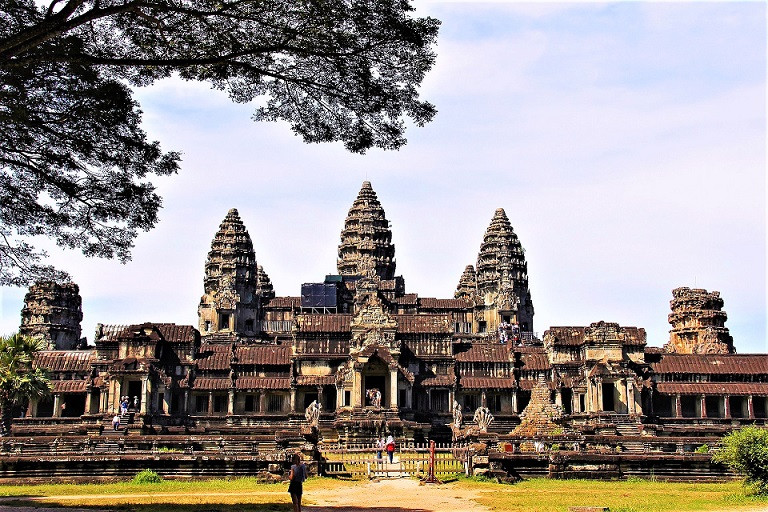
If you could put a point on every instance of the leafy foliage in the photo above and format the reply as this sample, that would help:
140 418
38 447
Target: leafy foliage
147 476
746 452
19 381
75 163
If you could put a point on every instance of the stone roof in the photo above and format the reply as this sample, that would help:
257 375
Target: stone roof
212 383
432 303
284 302
214 356
408 298
248 382
63 360
169 332
484 352
439 381
713 388
324 323
487 382
533 358
718 364
410 324
69 386
315 380
576 336
263 354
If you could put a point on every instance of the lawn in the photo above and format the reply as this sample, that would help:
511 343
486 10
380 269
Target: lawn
634 495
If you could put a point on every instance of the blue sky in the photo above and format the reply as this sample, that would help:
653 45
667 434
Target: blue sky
626 142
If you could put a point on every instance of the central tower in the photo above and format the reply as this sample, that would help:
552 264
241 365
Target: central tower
366 239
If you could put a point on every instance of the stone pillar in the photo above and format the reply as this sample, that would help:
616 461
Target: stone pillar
231 402
292 406
320 396
599 394
56 405
393 388
210 403
623 396
703 399
357 391
750 407
678 406
262 401
104 407
167 401
558 397
339 396
631 403
429 399
483 399
145 387
186 401
727 406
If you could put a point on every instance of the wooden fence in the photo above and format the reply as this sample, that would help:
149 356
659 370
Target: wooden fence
361 461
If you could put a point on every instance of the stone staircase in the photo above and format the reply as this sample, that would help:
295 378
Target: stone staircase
629 427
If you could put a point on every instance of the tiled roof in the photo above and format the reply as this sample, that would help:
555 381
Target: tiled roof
484 352
171 333
262 383
754 364
534 358
566 335
315 380
439 381
63 360
214 356
413 324
324 323
713 388
69 386
408 298
263 354
487 383
432 303
211 383
529 384
284 302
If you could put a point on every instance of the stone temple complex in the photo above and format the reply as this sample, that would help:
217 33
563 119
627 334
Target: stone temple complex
356 356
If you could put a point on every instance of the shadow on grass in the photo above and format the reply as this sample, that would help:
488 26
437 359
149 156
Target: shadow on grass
22 505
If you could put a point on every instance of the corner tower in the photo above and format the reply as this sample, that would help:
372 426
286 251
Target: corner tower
366 238
53 312
698 323
230 304
502 278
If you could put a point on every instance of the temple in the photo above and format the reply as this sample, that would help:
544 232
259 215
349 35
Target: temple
356 355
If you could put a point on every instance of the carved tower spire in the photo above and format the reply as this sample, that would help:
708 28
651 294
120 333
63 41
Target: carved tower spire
366 238
698 323
53 312
231 301
467 284
502 275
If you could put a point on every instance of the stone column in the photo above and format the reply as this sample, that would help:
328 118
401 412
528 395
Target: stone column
56 405
678 406
599 386
559 397
292 405
750 407
262 401
320 396
210 403
514 402
145 388
631 405
186 401
357 388
429 399
727 406
231 402
393 388
167 401
104 406
483 399
339 396
703 399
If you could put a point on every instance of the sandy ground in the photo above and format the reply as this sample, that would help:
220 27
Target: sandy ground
396 495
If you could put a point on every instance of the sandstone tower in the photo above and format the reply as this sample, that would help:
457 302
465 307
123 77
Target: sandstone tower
366 238
467 284
698 323
230 304
53 312
502 278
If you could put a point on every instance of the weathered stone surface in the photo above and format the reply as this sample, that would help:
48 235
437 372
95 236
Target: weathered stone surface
53 312
698 323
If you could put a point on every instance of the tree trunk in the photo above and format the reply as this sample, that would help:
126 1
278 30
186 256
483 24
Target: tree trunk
6 417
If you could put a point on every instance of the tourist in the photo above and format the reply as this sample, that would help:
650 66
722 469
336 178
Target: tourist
116 422
136 403
380 445
296 476
390 448
124 405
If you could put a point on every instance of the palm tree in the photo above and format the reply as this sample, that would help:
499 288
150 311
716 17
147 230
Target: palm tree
19 381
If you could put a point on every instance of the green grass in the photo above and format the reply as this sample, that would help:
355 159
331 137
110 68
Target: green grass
636 495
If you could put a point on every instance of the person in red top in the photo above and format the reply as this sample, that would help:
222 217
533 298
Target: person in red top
390 448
